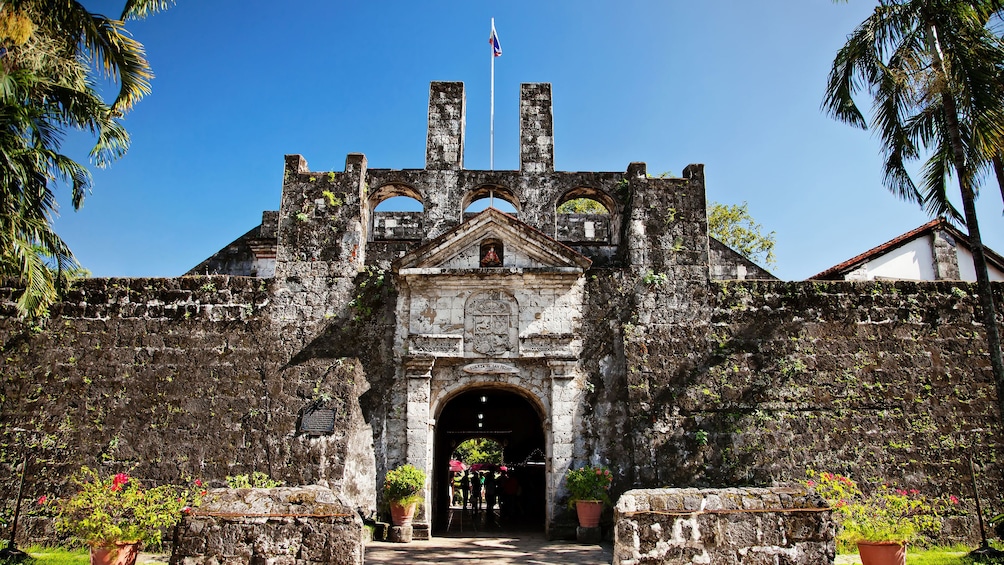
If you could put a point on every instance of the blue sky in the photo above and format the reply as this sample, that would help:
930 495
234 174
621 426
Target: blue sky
733 84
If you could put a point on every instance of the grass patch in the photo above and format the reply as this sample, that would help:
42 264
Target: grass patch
58 556
955 555
936 557
38 555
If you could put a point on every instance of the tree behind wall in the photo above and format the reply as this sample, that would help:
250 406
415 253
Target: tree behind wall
734 226
933 71
54 53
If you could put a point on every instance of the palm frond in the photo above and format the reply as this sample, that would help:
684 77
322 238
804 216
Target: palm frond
144 8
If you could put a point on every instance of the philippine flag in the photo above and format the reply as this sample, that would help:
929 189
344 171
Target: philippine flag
494 40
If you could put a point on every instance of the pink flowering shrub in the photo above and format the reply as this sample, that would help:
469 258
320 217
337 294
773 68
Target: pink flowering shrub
589 483
118 509
887 514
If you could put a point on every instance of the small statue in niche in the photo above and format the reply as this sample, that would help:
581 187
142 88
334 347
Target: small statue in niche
491 259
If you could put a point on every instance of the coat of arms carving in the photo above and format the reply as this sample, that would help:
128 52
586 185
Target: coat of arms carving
490 323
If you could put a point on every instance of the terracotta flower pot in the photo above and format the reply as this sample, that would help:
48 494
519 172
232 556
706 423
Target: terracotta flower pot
401 515
589 512
122 553
882 553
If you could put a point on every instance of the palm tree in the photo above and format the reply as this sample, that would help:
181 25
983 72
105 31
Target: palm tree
54 52
932 69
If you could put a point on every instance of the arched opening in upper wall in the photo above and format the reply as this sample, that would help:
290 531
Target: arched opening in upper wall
396 212
483 197
586 216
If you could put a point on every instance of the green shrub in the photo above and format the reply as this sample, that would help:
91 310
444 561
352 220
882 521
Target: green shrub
588 483
119 509
403 485
254 480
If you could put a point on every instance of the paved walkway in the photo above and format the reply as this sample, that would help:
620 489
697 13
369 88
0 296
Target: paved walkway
502 549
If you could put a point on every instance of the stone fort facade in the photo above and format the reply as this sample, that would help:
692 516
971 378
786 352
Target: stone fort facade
334 342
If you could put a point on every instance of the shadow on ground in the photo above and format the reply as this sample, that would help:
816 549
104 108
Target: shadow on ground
530 548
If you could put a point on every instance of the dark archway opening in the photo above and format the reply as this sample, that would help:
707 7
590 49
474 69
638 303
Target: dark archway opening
511 420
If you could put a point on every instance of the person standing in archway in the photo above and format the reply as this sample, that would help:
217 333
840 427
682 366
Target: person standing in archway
465 486
490 497
510 489
476 491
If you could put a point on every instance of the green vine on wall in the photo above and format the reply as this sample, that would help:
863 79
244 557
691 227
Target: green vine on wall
333 200
367 295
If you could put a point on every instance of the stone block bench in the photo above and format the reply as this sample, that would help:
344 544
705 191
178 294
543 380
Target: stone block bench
723 526
279 526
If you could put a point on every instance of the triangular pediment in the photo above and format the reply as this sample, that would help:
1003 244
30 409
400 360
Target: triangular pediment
519 247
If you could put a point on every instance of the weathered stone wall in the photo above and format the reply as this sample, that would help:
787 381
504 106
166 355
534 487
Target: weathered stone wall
294 526
583 228
727 265
181 377
444 148
445 194
174 379
881 381
673 380
397 225
250 255
723 526
536 128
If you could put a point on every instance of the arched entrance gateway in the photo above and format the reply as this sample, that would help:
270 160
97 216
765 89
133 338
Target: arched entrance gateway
509 418
489 349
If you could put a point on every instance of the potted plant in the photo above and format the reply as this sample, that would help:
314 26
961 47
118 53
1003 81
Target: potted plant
588 487
402 489
116 516
882 523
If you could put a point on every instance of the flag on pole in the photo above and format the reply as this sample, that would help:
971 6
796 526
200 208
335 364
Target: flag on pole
494 40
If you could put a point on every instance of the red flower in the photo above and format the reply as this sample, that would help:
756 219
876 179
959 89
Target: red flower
198 482
42 499
951 498
203 493
119 480
810 483
914 492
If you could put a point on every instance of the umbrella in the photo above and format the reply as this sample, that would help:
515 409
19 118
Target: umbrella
487 467
456 466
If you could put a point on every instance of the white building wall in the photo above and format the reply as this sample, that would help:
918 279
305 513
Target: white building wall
913 261
968 271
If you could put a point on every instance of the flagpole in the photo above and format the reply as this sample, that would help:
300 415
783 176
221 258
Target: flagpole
491 157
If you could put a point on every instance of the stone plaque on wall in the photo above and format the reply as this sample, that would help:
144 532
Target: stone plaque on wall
316 421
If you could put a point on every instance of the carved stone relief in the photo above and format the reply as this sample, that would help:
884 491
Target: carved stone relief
491 325
435 345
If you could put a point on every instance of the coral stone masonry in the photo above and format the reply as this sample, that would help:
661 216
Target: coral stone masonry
750 525
298 526
335 342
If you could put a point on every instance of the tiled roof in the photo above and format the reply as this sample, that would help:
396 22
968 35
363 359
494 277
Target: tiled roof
836 272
